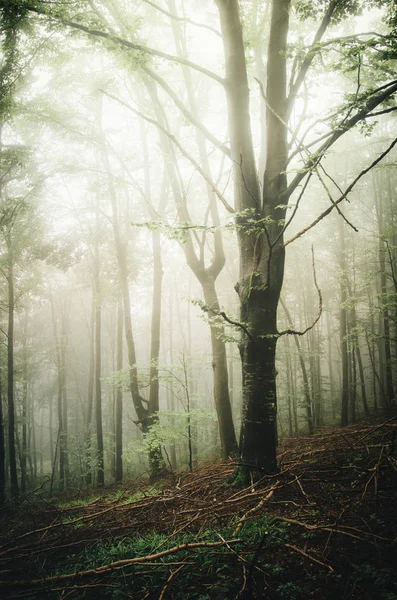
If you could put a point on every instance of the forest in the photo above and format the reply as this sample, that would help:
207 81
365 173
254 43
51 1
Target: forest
198 299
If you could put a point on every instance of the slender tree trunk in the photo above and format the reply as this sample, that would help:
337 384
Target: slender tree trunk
157 466
90 396
343 328
24 449
98 359
50 427
2 447
61 439
386 323
170 387
10 380
384 320
306 385
356 345
207 278
119 399
220 374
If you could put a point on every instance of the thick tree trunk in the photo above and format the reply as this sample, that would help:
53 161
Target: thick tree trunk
260 239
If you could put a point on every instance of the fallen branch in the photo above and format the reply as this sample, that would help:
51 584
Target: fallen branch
315 560
253 510
127 562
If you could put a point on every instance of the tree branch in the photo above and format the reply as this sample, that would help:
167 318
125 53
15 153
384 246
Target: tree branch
374 100
121 563
310 55
183 19
189 157
133 46
344 195
189 116
320 307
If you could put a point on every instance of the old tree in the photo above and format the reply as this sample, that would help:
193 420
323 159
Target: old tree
291 155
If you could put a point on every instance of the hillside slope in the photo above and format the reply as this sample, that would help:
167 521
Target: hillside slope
324 527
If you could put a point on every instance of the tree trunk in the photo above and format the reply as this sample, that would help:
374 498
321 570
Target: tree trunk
90 396
220 374
206 278
10 379
157 466
260 237
2 448
24 449
344 344
306 385
118 471
98 359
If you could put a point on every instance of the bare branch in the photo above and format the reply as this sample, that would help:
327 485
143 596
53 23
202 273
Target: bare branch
126 43
382 112
332 200
189 116
190 158
208 309
124 563
373 101
183 19
320 306
235 323
310 55
344 195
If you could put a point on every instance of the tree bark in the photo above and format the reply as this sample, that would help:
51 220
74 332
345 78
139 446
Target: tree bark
260 239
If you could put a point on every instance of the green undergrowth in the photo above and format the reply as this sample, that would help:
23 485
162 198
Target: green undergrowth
120 496
205 573
258 565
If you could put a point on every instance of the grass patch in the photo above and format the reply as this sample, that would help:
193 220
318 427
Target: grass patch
198 574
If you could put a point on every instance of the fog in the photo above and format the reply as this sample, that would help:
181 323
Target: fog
139 267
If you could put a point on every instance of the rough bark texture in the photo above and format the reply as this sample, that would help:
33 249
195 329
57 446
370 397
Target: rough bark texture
260 240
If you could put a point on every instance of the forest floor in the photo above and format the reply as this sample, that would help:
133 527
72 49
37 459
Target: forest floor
324 527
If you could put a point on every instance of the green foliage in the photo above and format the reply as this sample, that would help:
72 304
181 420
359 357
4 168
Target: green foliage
315 9
208 573
170 428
